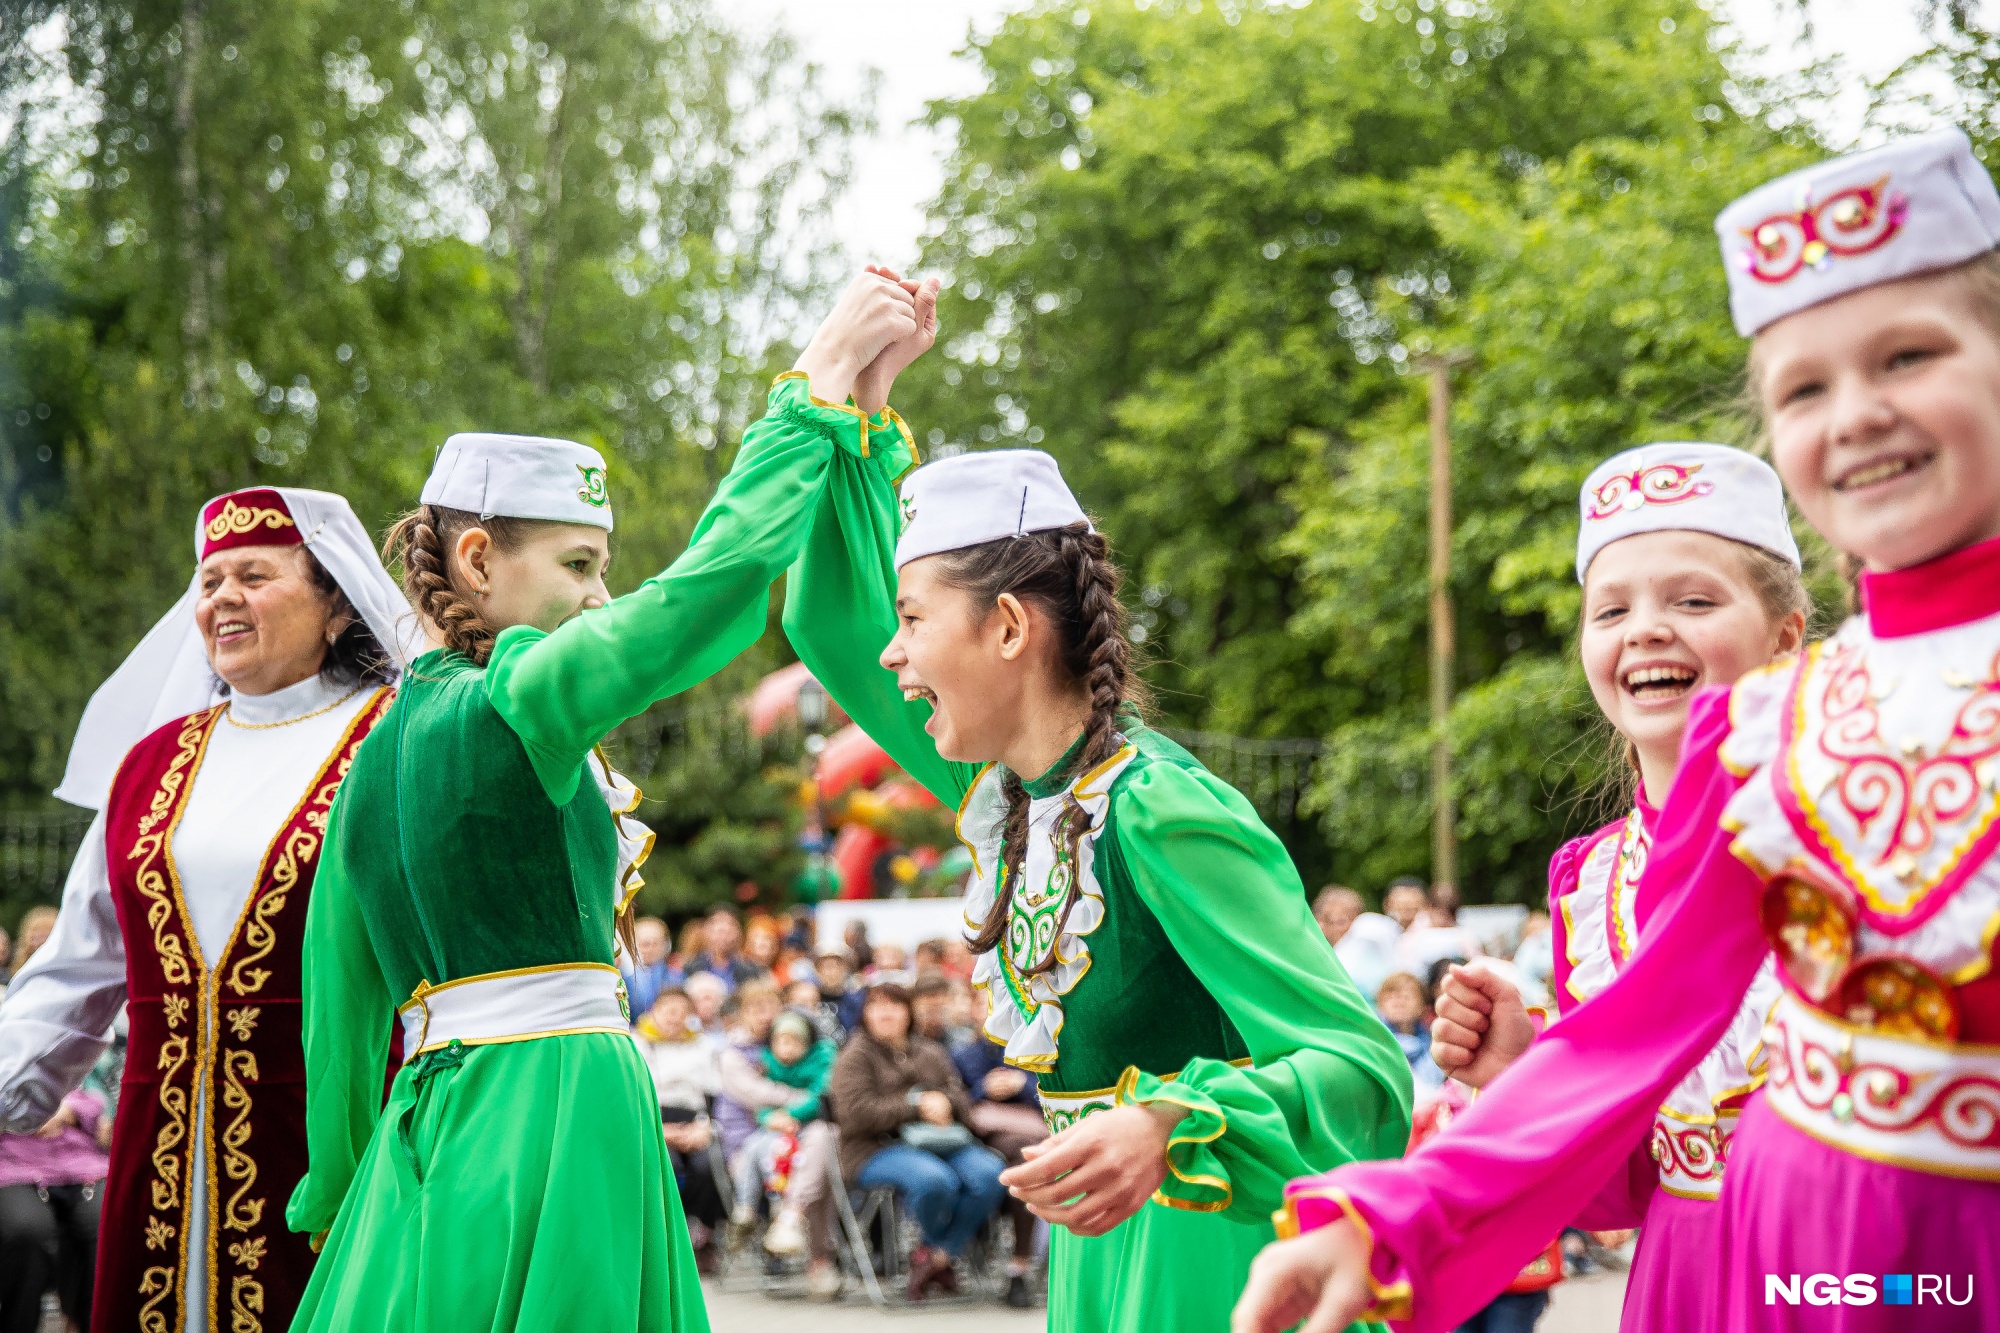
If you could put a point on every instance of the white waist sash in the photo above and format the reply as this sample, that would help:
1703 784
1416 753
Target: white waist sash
560 1000
1929 1106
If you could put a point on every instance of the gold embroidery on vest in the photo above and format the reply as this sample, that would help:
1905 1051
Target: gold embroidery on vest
246 1302
151 882
158 1233
243 1021
241 1215
157 1284
173 1100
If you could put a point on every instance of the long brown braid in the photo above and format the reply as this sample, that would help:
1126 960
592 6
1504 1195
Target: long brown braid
1069 572
423 540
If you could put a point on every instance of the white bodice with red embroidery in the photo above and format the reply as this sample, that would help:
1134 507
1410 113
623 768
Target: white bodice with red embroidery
1875 764
1694 1125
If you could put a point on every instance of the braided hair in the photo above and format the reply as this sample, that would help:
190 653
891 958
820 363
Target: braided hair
423 540
1070 574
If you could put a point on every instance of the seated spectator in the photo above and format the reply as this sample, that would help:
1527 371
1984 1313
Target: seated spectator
36 925
1007 1117
905 1125
744 1109
858 947
891 966
651 972
1406 897
798 1059
48 1212
684 1067
1404 1004
1364 942
958 958
1336 909
685 1076
1534 960
939 1013
835 970
761 945
722 950
799 931
803 997
1436 934
708 994
928 961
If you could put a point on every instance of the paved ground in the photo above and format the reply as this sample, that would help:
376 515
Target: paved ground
1588 1305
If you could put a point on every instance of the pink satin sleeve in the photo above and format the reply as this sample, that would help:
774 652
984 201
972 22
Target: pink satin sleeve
1454 1222
1563 869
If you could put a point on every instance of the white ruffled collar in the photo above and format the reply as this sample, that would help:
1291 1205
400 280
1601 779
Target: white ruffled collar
1026 1013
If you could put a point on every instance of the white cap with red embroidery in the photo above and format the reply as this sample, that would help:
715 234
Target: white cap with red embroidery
1684 487
1909 207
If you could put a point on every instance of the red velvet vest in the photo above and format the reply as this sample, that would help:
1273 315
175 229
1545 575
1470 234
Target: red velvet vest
233 1035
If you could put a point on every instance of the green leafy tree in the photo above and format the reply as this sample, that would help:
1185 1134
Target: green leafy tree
1194 250
300 245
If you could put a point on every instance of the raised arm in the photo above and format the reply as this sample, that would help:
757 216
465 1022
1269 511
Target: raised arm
1432 1238
563 692
1327 1083
57 1016
840 608
348 1009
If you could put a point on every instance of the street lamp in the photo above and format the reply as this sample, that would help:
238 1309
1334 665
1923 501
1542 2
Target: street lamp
814 838
1444 648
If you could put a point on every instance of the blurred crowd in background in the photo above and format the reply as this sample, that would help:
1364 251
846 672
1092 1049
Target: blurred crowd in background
785 1062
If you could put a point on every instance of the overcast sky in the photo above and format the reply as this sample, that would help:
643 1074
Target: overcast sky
912 41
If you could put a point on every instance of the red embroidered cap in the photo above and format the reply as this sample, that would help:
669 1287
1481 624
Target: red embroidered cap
255 517
1912 206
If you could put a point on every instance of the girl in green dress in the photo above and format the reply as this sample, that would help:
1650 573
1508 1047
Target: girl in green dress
1144 939
517 1177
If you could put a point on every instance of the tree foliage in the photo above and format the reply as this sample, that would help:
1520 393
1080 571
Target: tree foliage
301 244
1195 250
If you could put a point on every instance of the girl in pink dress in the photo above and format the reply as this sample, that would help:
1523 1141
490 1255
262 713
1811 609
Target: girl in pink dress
1841 812
1690 578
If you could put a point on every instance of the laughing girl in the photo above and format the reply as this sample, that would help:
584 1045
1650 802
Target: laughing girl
1842 811
1143 937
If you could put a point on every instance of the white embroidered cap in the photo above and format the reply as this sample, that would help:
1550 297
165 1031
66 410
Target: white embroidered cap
981 497
520 476
1908 207
1682 487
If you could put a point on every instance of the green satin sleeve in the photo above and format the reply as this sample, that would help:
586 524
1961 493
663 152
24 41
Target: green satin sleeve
840 606
348 1015
1327 1083
563 692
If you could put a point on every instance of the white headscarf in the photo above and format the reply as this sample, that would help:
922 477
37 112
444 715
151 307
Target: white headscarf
168 675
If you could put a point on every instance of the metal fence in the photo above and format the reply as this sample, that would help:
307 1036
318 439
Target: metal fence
36 848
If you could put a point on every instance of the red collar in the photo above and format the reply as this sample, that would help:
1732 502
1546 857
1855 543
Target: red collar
1954 589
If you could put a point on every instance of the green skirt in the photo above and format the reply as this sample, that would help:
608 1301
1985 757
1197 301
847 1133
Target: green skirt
1166 1270
522 1186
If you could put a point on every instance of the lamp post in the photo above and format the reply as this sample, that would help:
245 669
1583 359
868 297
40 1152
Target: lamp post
1444 647
813 838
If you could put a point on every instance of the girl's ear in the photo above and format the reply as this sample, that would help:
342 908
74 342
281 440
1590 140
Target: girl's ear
471 549
1014 624
1791 635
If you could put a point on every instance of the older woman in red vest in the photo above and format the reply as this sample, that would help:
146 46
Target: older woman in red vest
212 756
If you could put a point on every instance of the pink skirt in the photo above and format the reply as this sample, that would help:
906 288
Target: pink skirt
1672 1286
1794 1208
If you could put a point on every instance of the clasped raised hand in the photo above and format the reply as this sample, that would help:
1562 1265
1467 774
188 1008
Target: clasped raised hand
874 312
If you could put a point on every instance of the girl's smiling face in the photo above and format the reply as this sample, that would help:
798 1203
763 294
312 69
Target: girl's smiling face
1664 614
1884 411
